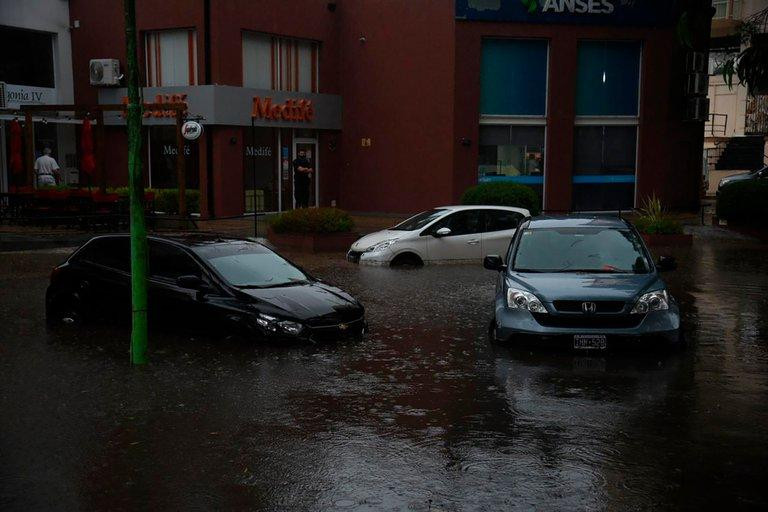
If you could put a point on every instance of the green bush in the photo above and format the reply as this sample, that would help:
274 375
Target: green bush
312 220
653 219
167 199
503 194
744 202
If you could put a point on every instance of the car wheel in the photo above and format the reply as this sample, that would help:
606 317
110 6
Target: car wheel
69 313
407 260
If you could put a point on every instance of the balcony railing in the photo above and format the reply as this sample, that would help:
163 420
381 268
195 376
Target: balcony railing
716 125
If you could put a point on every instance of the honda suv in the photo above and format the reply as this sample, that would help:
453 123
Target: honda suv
583 281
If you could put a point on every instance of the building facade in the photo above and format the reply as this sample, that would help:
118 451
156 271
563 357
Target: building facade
36 68
402 105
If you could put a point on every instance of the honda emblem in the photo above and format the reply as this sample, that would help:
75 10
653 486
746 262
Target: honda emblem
589 307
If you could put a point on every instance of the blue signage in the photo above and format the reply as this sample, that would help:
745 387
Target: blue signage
579 12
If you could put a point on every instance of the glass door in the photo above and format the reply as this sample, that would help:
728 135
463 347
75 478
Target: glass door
305 182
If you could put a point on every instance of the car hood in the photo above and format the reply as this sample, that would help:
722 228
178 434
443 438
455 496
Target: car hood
584 286
379 236
304 301
736 177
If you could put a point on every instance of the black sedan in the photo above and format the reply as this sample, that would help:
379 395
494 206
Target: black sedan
205 282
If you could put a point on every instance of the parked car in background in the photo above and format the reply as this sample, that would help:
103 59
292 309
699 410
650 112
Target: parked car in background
204 282
448 233
757 174
585 282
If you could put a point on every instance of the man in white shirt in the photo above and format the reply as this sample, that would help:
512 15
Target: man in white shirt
46 169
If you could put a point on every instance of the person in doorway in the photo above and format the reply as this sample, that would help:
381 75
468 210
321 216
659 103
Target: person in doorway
302 176
46 169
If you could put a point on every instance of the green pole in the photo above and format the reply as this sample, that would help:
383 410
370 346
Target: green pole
136 187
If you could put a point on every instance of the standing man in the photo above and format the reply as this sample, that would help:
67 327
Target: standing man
302 175
46 169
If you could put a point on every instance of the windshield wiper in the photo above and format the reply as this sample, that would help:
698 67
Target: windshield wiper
591 271
531 270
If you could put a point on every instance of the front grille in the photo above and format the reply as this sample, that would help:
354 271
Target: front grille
589 321
340 316
603 306
337 332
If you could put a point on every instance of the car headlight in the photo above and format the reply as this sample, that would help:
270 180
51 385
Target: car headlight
520 299
274 324
651 301
381 245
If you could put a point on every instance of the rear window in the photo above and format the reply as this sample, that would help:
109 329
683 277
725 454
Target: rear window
114 253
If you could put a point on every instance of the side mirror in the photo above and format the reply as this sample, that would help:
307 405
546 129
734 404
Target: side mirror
189 282
666 263
442 232
494 262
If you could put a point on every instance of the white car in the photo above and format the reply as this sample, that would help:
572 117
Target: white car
448 233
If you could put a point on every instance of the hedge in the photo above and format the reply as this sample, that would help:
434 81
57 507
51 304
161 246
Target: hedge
312 220
744 202
503 194
167 199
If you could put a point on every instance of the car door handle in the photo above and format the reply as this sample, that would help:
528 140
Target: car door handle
473 242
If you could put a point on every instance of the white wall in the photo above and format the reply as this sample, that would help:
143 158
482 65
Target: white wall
47 16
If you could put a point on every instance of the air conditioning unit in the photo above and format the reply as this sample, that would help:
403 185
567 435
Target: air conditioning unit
2 95
105 72
697 109
696 62
697 84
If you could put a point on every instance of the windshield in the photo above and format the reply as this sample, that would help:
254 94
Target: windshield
419 221
602 250
250 265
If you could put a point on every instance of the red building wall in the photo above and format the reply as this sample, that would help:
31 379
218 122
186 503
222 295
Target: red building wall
398 92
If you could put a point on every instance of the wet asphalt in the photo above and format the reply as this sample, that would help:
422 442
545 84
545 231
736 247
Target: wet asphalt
424 414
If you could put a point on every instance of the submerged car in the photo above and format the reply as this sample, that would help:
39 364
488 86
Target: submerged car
448 233
583 281
757 174
205 282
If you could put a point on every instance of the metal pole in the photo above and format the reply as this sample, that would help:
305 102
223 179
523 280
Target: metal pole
253 167
136 188
181 171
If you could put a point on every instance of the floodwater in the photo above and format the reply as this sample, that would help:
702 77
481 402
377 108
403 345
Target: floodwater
424 414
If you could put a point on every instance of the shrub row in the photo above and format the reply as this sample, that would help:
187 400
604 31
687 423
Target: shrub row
503 194
312 220
167 199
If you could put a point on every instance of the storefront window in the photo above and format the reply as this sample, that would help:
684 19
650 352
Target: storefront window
512 153
604 167
513 77
271 62
607 82
162 159
260 167
171 58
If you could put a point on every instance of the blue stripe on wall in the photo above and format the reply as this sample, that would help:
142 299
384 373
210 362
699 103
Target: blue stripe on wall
604 178
527 180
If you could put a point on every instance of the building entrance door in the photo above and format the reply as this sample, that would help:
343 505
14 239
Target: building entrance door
306 189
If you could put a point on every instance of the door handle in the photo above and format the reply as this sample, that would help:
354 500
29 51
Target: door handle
473 242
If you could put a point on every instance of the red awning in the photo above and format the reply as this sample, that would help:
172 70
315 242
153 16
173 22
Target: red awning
17 162
87 161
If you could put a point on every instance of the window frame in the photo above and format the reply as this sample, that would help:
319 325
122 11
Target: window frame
169 280
440 223
191 31
616 120
276 74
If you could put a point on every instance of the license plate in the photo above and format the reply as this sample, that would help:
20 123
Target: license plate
589 341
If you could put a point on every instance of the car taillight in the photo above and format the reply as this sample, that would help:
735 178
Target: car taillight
55 272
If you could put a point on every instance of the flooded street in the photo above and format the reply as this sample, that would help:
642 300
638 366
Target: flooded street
424 414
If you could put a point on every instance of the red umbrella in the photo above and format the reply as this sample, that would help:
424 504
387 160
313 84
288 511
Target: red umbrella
87 162
17 164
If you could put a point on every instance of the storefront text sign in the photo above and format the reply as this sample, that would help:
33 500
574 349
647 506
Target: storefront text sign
595 12
17 95
161 98
290 110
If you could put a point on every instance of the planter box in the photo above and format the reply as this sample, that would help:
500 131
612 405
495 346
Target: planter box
682 239
312 242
